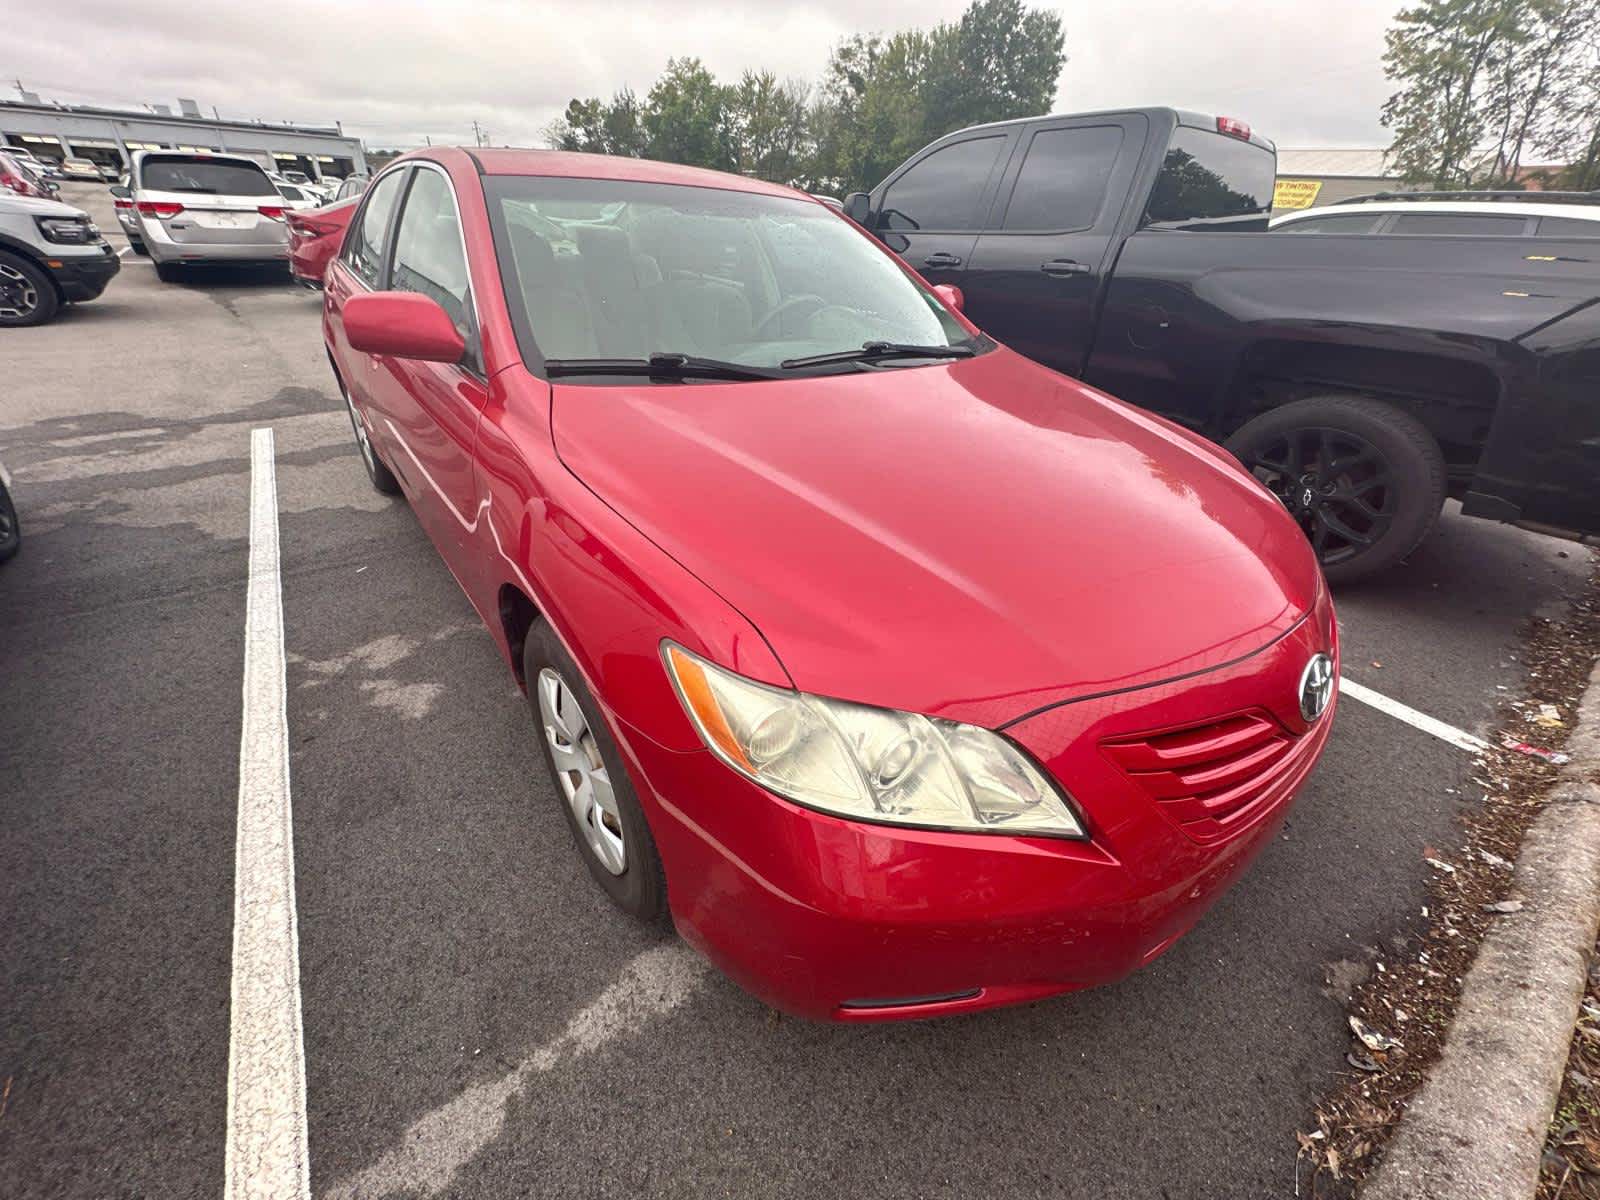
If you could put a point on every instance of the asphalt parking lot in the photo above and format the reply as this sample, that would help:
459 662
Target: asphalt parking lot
478 1021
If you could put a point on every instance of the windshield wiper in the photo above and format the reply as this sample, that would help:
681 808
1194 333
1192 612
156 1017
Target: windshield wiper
658 366
878 352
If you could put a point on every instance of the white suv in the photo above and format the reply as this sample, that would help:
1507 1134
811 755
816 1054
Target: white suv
50 254
193 209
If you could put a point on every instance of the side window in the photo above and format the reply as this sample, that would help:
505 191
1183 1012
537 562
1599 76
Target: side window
427 249
1345 223
364 251
1458 224
1063 179
1568 227
942 191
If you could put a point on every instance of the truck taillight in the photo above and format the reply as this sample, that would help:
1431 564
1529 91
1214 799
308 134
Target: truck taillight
1233 128
160 208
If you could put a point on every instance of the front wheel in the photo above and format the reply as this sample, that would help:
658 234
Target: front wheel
10 529
596 794
1363 479
27 296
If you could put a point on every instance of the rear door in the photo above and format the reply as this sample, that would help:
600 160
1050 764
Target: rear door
200 200
930 211
1036 272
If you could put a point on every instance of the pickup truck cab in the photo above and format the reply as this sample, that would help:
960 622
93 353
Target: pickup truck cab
1363 379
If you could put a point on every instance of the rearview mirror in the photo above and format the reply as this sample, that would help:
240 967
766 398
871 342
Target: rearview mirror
950 294
120 192
402 324
858 207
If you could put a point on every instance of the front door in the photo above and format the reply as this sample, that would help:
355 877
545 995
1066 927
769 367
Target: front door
930 211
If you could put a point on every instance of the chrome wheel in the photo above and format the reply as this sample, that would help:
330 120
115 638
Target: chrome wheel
18 297
582 773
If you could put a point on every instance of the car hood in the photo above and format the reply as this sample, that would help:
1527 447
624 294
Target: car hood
974 540
33 206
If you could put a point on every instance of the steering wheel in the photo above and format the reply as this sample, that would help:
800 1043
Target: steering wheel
809 301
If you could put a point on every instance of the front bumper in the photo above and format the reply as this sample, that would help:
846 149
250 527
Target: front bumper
837 920
83 276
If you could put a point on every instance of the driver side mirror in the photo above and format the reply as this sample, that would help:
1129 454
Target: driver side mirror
402 325
858 207
120 192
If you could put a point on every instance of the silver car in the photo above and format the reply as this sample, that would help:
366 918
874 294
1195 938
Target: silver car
195 209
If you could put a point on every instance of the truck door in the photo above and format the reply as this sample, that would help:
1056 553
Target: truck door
930 211
1036 271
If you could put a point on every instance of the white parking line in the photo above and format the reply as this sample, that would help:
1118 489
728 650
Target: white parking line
266 1154
124 252
1459 738
438 1144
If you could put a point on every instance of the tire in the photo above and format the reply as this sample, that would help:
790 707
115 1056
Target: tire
169 272
562 707
1383 494
27 295
10 528
139 247
382 478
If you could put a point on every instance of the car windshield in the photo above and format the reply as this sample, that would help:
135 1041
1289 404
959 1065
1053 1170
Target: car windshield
604 269
204 176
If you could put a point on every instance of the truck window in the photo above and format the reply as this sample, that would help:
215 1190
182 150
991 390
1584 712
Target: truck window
942 191
1568 227
1344 223
1459 224
1063 179
1208 175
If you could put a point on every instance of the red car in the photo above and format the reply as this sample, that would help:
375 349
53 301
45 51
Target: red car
314 237
910 677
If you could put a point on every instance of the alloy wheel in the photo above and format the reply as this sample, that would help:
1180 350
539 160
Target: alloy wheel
1337 485
18 297
581 772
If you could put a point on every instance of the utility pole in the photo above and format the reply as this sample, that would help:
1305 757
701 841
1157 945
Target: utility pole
477 134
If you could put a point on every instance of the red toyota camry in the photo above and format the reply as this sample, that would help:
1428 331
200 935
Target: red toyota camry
910 677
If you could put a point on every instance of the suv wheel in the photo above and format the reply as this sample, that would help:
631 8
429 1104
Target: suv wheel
10 530
169 272
1364 480
27 296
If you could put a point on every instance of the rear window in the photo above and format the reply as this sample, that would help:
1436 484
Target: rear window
203 176
1568 227
1208 175
1459 225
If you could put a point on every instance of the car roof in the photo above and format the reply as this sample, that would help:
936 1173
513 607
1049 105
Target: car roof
565 163
1459 207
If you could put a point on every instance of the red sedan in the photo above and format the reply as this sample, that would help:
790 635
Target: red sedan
909 676
314 237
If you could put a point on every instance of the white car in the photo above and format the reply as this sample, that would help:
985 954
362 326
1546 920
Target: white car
1522 214
51 255
297 197
80 168
199 209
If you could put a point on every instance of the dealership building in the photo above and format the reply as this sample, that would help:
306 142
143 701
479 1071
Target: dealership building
109 137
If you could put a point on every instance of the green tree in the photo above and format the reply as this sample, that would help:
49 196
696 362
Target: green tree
687 117
1542 81
1442 53
769 126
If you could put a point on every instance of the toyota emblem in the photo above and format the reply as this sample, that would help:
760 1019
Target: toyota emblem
1316 687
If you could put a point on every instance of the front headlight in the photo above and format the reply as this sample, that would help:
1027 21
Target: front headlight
868 764
66 229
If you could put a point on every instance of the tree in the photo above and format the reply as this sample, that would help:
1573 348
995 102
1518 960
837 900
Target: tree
1484 82
880 99
1442 51
686 117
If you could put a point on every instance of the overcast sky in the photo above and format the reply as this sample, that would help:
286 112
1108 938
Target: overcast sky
394 71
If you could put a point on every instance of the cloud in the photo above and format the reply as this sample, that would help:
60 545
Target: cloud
397 72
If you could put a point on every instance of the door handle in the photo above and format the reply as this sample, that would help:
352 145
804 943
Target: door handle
940 258
1062 267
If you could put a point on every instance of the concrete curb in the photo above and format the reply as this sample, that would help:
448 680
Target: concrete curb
1476 1128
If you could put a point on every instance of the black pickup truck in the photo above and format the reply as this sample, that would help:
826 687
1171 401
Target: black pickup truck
1362 378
